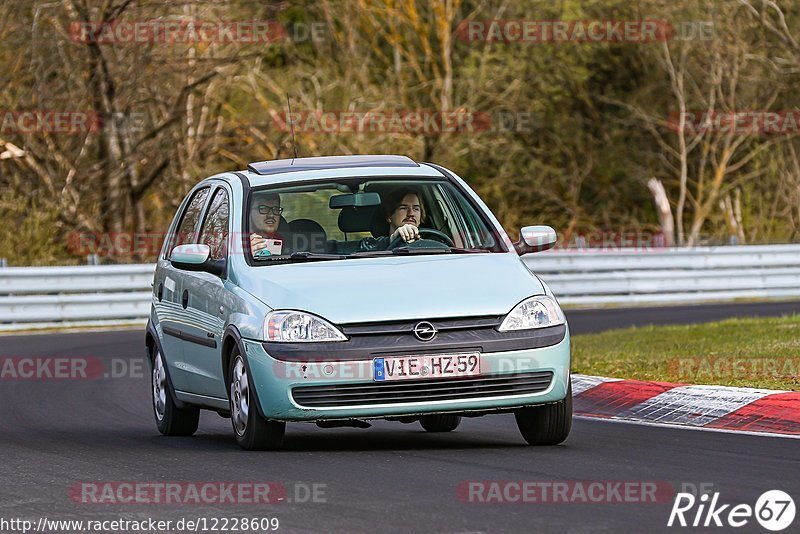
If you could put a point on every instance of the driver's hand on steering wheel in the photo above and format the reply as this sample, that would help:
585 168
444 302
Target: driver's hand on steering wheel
408 232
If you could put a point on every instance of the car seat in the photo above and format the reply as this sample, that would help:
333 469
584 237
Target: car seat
355 219
308 235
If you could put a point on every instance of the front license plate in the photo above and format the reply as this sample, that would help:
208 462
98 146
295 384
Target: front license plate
426 366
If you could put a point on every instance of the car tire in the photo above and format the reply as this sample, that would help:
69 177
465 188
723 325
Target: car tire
440 423
252 432
548 424
170 420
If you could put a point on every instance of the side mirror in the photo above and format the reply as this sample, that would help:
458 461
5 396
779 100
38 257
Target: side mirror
535 239
196 257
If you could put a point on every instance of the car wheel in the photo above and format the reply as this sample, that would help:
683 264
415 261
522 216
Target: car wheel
171 420
253 432
548 424
440 423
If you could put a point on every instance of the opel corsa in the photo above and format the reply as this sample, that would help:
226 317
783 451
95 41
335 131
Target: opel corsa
280 296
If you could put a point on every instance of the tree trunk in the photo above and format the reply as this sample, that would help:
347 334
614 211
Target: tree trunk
664 211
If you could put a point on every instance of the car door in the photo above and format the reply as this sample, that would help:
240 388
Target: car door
206 309
169 292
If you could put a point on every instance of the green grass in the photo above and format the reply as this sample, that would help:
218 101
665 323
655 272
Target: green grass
762 353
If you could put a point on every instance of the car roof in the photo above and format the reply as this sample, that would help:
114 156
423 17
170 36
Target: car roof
299 169
279 166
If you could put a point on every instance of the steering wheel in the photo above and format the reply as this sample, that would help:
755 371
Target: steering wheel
433 235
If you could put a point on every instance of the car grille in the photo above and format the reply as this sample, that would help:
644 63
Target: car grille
407 327
342 395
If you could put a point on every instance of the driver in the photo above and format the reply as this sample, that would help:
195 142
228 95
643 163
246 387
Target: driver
404 211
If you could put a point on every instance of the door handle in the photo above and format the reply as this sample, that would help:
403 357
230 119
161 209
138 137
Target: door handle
185 299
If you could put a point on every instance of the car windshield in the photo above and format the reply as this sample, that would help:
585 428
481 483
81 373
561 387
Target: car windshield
352 218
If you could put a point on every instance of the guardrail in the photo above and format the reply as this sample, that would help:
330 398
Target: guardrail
620 277
49 296
45 296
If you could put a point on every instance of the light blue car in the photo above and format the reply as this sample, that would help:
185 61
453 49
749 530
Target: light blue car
340 289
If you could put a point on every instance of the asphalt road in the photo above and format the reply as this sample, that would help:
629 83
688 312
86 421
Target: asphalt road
587 321
389 478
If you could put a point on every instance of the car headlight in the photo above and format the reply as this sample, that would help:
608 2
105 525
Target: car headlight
535 312
299 327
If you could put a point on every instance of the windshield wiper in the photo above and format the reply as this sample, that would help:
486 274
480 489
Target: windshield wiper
399 251
416 250
315 256
302 256
420 251
476 250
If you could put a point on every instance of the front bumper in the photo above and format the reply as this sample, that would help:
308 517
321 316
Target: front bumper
275 379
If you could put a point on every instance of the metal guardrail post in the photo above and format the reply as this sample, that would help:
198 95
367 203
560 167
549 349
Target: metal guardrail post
92 259
3 262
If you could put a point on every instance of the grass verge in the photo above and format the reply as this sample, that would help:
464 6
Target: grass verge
758 352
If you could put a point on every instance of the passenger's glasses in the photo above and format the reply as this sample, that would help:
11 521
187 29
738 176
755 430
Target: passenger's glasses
266 210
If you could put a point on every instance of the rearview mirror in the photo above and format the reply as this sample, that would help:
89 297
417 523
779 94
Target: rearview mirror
196 257
535 239
354 200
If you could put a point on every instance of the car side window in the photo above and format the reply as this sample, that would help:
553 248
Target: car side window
185 232
475 232
215 228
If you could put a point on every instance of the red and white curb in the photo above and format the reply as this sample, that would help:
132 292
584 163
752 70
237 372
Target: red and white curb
744 410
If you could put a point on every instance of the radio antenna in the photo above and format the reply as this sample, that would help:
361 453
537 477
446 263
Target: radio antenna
291 124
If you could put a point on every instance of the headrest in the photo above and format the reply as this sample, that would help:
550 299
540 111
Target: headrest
379 225
306 226
283 226
357 219
308 235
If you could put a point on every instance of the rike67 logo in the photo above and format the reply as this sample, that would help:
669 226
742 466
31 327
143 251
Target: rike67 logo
774 510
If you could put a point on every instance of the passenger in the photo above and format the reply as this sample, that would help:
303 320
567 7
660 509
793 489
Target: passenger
404 211
265 218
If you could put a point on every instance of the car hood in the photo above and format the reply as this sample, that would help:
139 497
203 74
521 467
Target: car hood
396 288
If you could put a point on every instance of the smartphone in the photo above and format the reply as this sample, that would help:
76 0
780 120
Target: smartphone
275 246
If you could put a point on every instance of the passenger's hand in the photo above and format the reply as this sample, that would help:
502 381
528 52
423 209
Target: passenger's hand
408 232
257 243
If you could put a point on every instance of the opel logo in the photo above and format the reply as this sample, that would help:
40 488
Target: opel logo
424 331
